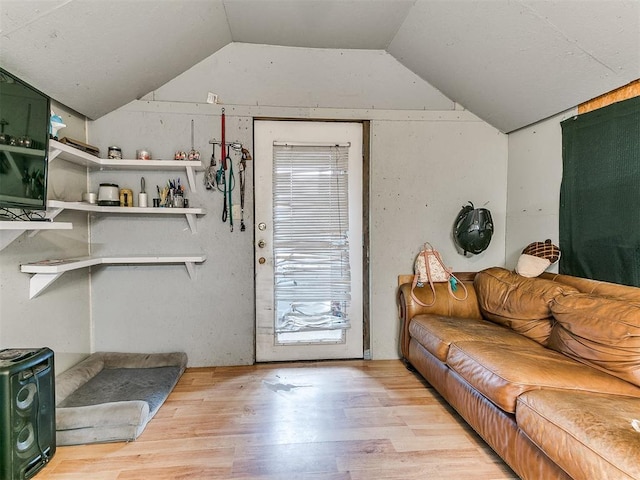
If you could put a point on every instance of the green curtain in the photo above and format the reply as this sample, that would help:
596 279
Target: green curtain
600 194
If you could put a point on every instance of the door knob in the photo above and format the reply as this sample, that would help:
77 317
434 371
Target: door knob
261 260
261 244
262 226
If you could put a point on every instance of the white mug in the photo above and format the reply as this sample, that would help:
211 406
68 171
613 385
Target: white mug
142 200
90 197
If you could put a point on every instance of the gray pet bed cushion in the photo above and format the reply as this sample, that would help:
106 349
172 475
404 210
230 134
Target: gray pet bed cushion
110 397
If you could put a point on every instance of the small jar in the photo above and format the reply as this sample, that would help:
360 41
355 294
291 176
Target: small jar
143 155
178 200
114 153
194 155
126 197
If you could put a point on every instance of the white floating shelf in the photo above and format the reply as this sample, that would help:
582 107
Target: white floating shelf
9 231
23 226
73 155
57 206
22 150
47 271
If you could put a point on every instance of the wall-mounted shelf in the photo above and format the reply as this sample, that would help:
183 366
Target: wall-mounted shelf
23 150
73 155
48 271
56 206
9 231
23 226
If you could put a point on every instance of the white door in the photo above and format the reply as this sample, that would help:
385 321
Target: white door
308 240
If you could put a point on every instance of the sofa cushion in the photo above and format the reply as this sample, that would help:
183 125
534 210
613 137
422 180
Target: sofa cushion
601 432
503 372
437 332
599 331
517 302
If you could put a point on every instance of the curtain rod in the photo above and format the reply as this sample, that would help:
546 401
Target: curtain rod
303 144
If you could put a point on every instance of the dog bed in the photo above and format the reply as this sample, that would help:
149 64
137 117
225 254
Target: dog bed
110 397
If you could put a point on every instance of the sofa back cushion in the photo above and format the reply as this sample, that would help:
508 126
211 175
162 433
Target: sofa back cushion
603 332
520 303
596 287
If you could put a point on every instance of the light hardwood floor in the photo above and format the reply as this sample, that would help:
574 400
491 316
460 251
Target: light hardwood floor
348 420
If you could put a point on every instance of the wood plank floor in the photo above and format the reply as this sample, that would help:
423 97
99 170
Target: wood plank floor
347 420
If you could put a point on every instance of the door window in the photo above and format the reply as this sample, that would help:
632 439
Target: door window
312 271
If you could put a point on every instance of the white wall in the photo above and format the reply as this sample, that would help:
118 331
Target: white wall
534 178
431 154
265 75
422 173
159 308
60 317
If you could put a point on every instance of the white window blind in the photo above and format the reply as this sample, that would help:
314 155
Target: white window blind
311 237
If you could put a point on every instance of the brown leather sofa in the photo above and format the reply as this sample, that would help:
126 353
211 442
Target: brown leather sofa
546 369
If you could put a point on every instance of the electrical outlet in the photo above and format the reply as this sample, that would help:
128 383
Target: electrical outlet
212 98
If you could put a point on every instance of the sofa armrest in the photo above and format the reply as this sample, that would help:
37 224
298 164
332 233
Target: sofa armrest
444 304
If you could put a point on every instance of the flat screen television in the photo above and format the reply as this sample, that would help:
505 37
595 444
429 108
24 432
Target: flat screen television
24 144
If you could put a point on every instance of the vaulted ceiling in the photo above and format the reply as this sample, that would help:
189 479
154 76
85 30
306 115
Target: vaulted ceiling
511 62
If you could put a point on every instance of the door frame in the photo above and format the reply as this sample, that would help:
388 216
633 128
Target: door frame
366 230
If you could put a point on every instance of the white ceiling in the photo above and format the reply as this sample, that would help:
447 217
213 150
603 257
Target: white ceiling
511 62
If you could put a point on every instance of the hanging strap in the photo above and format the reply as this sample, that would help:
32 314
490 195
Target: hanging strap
223 182
452 279
230 189
222 141
243 167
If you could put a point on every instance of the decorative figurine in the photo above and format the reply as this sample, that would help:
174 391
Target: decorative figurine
55 125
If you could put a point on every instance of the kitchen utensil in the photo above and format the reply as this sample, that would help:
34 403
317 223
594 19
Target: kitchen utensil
193 153
108 195
210 173
90 197
142 196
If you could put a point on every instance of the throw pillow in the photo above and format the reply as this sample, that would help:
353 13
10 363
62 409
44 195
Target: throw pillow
536 258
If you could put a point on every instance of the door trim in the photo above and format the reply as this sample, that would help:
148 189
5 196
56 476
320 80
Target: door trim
366 238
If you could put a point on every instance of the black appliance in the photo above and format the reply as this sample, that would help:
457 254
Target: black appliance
25 122
27 411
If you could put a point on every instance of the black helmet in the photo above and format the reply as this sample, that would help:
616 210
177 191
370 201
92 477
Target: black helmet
473 229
